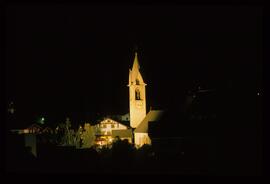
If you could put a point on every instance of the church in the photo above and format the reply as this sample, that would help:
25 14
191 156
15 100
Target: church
132 126
139 118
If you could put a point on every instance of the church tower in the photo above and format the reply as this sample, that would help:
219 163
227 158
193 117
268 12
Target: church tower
137 97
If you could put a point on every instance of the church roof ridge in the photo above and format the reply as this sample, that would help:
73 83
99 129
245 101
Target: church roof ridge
152 116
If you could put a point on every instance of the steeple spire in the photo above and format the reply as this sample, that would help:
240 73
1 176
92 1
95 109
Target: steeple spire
136 65
137 102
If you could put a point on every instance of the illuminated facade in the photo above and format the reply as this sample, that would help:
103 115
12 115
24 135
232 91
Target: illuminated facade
108 129
137 97
137 106
141 132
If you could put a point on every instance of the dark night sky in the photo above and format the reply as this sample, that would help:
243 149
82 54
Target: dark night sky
74 60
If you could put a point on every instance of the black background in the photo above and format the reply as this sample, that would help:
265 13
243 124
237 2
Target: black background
72 60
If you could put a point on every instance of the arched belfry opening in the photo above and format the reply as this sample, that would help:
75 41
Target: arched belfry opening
137 94
137 82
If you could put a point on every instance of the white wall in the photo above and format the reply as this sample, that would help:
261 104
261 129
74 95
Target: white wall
110 125
141 139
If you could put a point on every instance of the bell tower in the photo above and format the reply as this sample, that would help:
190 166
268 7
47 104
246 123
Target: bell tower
137 97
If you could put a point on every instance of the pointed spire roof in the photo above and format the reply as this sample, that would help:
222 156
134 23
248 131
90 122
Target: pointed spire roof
134 73
136 65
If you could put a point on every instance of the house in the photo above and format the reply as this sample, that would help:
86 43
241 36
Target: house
108 129
34 129
123 134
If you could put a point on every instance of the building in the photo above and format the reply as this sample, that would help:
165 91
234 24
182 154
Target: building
141 132
123 134
108 129
139 119
137 97
32 129
137 130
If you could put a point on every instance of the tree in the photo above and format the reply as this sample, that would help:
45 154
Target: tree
67 138
77 137
88 136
